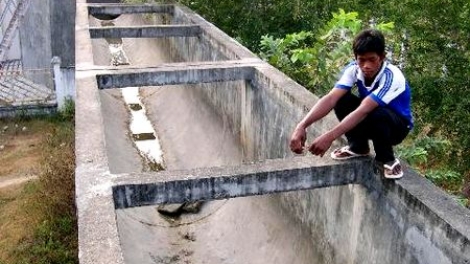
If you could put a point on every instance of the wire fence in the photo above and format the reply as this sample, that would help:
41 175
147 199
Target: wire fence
14 69
19 87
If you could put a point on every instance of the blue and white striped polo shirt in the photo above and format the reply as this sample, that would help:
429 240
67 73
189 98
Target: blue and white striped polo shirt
389 88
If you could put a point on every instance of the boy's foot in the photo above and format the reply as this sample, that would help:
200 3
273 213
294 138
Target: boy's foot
345 153
393 170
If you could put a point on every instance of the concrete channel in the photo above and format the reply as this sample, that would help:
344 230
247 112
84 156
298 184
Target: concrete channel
222 118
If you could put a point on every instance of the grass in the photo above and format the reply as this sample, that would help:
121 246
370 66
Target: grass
37 219
17 219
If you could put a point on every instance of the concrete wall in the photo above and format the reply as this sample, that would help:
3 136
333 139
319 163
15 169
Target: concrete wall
65 85
188 49
35 34
263 115
62 21
14 53
47 30
208 46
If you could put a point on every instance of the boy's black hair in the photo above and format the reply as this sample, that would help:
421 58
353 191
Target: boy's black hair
369 40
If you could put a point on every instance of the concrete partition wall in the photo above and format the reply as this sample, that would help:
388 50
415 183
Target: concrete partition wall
196 46
369 220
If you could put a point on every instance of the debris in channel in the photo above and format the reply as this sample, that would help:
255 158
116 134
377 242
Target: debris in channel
118 56
176 210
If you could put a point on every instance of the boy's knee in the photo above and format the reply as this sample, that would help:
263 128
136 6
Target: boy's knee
379 115
378 122
345 105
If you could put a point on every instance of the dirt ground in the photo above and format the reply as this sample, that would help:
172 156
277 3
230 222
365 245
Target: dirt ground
20 148
20 155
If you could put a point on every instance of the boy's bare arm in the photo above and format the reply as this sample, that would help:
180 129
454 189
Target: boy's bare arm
321 108
321 144
318 111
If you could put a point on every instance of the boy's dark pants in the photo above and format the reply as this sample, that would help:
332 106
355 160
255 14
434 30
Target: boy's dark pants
383 126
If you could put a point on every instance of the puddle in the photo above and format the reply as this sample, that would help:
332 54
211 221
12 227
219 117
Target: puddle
143 134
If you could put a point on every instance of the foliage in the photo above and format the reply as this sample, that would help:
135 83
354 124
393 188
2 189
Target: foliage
247 20
279 52
53 243
414 155
67 113
426 154
462 200
441 177
315 59
57 176
418 151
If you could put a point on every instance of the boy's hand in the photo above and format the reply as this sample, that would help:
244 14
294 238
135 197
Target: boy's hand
320 145
297 140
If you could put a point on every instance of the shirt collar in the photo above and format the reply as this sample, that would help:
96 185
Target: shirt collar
360 75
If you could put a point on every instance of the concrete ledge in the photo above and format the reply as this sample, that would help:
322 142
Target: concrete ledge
105 69
97 236
28 110
95 9
272 176
190 74
146 31
422 196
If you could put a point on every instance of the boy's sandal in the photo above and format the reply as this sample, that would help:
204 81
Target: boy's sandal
389 170
345 153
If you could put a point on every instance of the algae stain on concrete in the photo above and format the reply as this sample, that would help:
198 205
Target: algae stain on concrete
422 247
